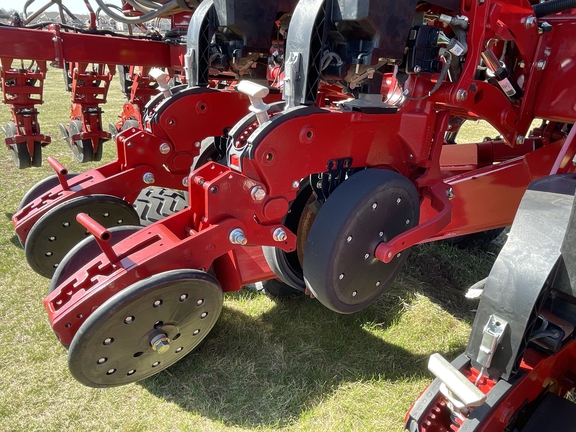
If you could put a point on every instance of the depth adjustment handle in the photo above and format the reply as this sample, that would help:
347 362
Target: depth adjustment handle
256 93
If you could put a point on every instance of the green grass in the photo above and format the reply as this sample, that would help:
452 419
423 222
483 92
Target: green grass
269 365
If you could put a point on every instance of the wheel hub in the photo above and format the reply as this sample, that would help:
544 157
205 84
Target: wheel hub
145 328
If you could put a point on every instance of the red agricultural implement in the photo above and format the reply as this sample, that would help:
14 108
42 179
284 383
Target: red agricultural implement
325 189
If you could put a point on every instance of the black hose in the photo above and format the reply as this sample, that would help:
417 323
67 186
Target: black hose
553 7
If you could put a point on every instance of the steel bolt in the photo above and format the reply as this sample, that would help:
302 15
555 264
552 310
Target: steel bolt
349 238
279 235
521 64
520 139
148 178
197 144
450 193
237 237
295 184
185 182
165 148
417 69
258 193
461 95
541 65
374 206
341 276
366 256
530 21
160 343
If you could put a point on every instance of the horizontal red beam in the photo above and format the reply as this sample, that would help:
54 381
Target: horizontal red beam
22 43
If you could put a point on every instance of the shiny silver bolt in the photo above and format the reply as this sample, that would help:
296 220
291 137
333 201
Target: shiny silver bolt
407 221
381 234
520 139
185 182
148 178
341 276
279 235
295 184
417 69
349 239
377 283
366 256
258 193
450 193
541 65
530 21
461 95
197 144
398 200
374 206
165 148
237 237
354 293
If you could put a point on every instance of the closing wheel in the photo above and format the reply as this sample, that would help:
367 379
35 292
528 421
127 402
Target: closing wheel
86 251
339 264
145 328
41 188
57 231
82 149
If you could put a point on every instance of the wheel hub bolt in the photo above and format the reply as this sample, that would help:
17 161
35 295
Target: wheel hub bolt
148 178
160 343
279 235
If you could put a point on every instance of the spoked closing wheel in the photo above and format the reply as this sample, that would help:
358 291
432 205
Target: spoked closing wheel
145 328
57 231
340 267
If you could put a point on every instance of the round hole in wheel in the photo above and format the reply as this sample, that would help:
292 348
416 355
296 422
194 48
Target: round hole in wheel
101 360
110 371
158 325
48 254
58 231
157 303
129 320
183 297
132 354
204 315
108 341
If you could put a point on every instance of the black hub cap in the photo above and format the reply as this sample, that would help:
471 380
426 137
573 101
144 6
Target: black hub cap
55 233
145 328
339 264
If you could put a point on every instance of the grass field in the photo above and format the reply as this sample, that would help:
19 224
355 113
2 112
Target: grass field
268 365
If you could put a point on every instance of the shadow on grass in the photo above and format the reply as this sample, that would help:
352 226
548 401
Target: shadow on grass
443 273
265 371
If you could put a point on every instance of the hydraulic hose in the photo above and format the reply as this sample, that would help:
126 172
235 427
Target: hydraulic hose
167 9
552 7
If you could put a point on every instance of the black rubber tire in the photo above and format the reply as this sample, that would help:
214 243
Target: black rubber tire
86 251
475 240
37 156
41 188
154 204
340 266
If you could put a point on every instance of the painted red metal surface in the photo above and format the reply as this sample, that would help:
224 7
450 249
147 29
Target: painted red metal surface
182 124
